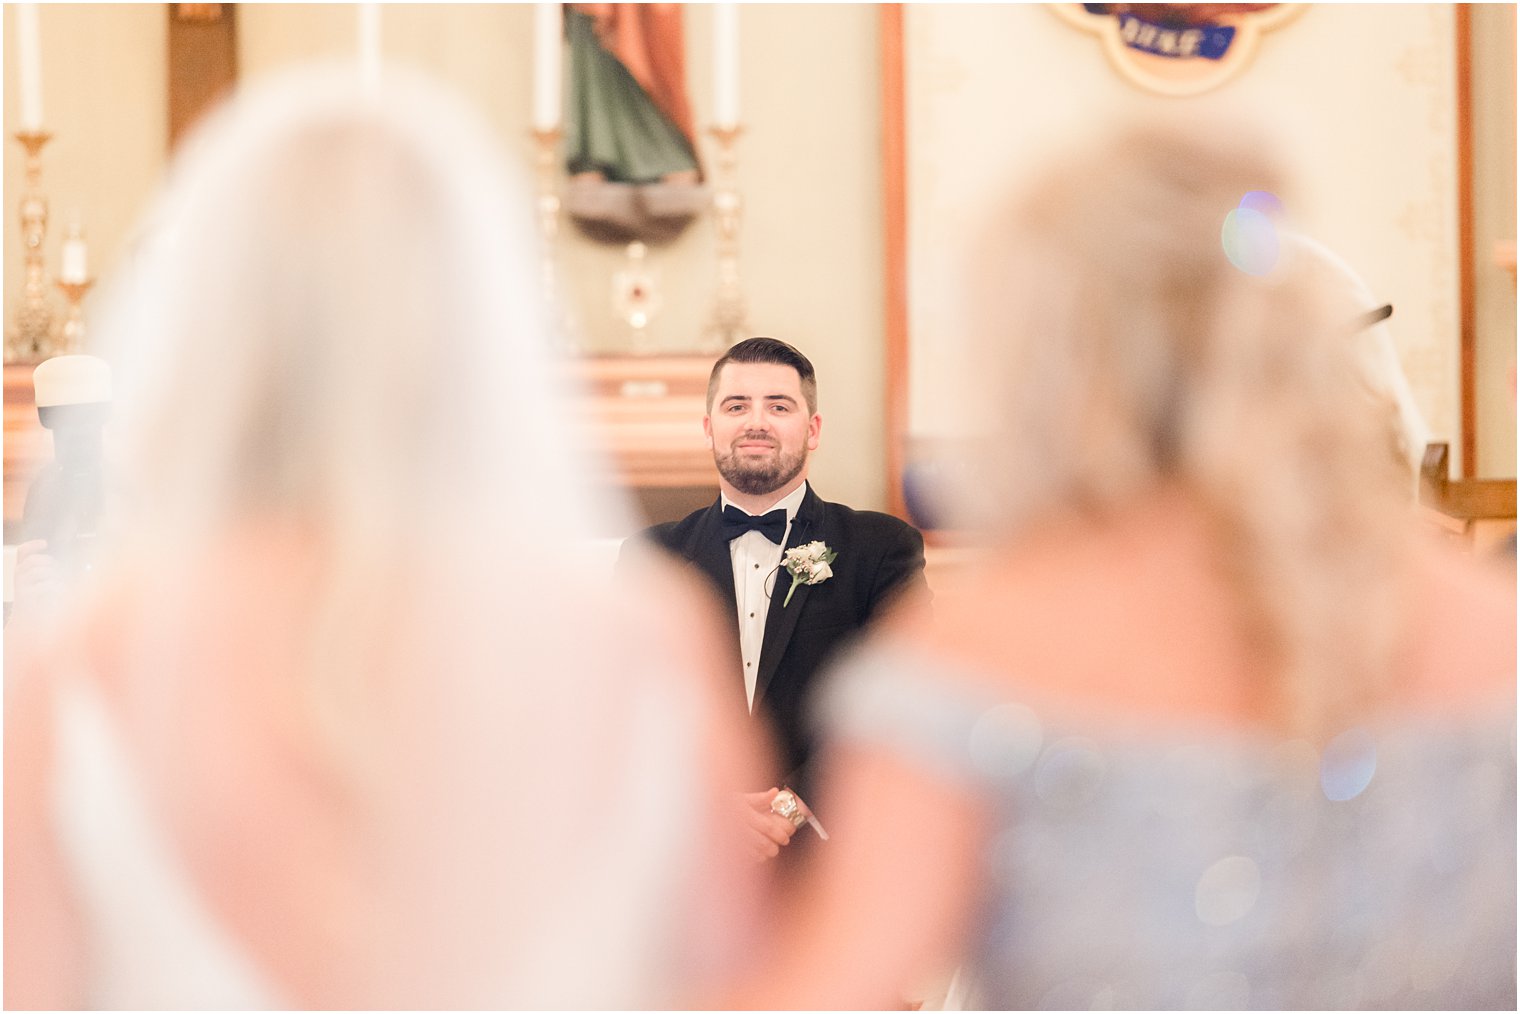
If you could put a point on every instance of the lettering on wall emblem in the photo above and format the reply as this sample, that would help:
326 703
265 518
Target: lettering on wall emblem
1178 49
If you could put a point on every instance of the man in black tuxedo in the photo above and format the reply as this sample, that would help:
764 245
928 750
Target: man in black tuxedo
762 420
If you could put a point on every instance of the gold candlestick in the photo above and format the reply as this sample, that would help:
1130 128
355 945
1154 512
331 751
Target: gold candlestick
728 324
30 335
546 145
71 335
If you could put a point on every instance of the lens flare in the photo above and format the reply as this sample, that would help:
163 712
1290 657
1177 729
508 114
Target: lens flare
1227 891
1348 764
1250 241
1263 201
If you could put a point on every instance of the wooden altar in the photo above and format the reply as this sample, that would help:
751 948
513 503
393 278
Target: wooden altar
646 411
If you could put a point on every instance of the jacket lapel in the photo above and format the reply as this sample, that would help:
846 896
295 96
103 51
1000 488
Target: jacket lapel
707 549
781 621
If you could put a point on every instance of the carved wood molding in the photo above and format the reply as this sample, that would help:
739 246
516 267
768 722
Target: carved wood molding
894 162
1463 500
1466 284
202 61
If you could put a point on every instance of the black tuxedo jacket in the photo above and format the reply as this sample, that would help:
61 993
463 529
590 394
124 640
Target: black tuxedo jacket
879 557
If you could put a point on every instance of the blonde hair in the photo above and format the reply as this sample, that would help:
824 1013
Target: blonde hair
1126 352
335 328
344 438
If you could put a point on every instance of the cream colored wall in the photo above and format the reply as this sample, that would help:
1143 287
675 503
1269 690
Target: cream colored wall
105 100
811 243
813 233
1493 116
810 248
1363 97
1370 90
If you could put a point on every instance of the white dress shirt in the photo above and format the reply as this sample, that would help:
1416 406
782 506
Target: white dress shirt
757 561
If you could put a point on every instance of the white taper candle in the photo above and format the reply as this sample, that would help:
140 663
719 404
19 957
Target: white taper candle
75 266
29 59
548 64
726 65
369 45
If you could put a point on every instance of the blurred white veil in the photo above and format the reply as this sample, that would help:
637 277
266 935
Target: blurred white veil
334 307
1377 353
347 542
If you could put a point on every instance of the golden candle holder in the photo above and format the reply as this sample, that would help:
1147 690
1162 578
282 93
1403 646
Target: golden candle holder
30 336
728 323
71 335
546 147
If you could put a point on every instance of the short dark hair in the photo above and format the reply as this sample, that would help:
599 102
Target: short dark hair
767 350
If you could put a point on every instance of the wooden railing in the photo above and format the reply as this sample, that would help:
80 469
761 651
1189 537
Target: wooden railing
1480 510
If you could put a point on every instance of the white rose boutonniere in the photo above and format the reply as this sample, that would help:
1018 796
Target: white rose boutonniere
807 564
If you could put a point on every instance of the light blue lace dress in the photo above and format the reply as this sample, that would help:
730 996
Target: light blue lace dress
1183 869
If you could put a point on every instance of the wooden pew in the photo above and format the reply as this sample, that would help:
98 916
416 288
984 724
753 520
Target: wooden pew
1480 511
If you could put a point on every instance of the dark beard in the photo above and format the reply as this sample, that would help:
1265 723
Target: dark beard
760 477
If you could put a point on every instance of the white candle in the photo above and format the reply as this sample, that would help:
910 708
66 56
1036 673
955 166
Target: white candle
369 44
29 58
548 60
726 65
76 259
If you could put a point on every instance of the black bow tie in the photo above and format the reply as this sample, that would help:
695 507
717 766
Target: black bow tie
735 523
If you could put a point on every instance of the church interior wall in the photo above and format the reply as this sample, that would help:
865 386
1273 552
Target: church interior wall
1363 100
1493 99
808 169
1366 97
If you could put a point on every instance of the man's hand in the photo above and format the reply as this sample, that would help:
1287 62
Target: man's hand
804 815
769 832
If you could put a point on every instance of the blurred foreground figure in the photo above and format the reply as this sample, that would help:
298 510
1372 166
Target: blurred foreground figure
1213 727
341 719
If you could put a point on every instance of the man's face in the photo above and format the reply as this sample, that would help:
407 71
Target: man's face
759 427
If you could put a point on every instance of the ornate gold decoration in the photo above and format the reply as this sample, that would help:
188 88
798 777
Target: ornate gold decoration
729 318
71 335
30 334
